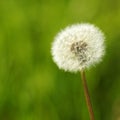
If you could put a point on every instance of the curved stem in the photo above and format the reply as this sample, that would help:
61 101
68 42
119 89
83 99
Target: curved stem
87 96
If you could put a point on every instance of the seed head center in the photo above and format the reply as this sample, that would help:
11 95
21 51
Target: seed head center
79 49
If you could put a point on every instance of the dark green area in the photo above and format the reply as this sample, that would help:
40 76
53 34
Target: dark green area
31 85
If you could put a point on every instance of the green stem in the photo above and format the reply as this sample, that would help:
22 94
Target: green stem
87 96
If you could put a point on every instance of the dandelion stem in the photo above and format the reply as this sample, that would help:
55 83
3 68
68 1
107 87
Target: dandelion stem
87 96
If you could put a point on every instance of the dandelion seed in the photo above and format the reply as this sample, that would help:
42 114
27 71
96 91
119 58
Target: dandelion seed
78 47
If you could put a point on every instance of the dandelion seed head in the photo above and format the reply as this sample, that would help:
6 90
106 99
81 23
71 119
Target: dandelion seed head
78 47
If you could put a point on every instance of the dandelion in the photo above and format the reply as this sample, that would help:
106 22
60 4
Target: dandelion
76 48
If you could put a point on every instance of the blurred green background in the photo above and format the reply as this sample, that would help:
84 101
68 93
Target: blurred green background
31 85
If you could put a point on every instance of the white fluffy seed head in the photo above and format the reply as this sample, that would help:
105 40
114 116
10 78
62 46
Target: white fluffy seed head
78 47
